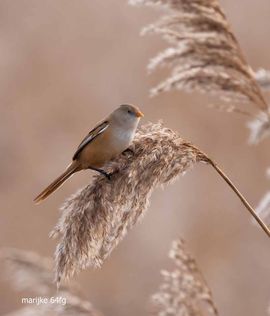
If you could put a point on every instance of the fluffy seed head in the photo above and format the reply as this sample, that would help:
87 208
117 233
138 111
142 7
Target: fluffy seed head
97 217
205 56
32 272
183 291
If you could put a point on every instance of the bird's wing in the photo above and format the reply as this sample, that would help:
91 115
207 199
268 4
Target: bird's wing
100 128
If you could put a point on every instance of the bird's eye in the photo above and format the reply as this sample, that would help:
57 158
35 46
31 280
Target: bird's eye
129 112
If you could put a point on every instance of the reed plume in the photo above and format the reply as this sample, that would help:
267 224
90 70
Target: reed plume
97 217
259 128
204 55
29 271
75 306
263 78
184 291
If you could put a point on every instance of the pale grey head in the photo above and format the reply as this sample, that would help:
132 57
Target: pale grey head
126 115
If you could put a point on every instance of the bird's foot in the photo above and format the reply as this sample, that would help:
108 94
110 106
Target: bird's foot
104 173
128 151
108 175
111 174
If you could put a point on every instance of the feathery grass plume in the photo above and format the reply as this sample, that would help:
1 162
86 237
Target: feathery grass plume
259 128
97 217
204 54
29 271
263 78
184 291
74 306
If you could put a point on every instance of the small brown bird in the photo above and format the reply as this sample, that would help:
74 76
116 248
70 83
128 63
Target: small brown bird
108 139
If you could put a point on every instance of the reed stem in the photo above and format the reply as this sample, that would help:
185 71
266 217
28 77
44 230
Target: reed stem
241 197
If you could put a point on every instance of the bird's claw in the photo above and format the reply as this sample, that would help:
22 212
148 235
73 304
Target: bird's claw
108 176
128 151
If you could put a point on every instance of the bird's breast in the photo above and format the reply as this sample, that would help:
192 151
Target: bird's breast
109 144
120 140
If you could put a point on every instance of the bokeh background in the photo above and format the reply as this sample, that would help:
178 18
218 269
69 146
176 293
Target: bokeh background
64 65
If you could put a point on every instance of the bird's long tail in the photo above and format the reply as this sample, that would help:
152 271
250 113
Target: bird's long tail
71 169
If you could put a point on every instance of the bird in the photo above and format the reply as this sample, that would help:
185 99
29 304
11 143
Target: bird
108 139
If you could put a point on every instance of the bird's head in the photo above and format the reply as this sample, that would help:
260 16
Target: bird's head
127 113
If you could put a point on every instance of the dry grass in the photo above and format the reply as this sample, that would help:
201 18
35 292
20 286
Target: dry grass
263 78
28 271
75 306
205 55
184 291
259 128
96 218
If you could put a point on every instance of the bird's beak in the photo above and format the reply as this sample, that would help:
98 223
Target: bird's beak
139 114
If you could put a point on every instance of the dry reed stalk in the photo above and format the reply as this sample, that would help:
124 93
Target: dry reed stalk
29 271
97 217
263 209
184 291
205 56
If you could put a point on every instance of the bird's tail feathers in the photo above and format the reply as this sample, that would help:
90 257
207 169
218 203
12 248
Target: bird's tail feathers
71 169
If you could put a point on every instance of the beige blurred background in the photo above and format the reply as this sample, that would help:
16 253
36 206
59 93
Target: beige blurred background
64 65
